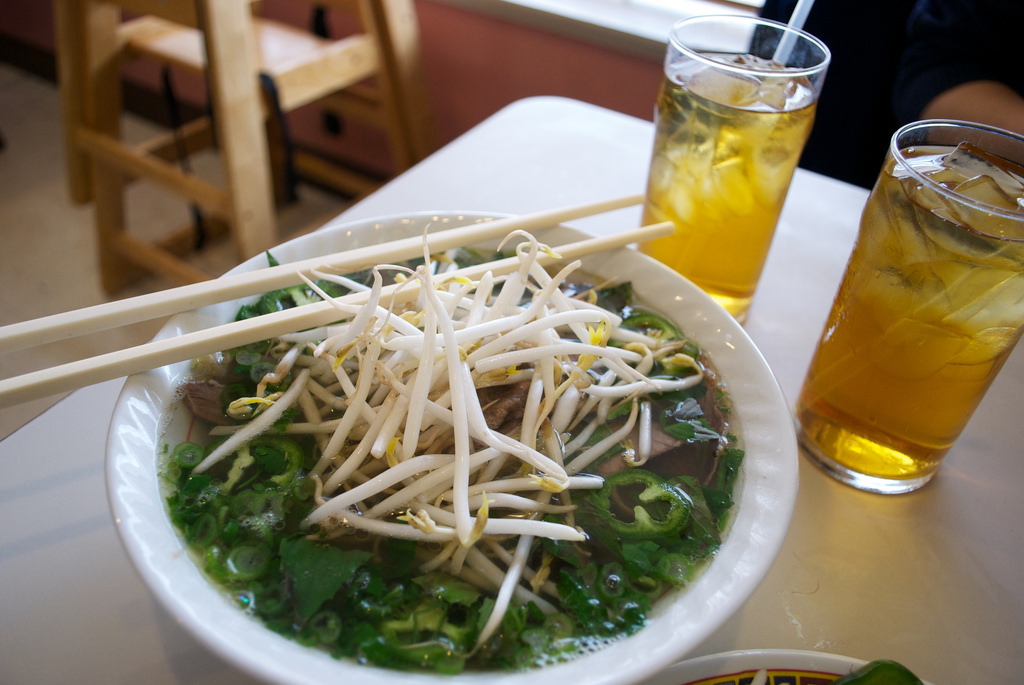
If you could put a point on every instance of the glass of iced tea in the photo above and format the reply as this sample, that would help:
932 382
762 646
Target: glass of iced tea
930 306
735 107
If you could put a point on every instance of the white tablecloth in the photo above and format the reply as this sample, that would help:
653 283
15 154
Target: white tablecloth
932 579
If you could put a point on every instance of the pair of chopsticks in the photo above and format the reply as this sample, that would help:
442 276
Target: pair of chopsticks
158 353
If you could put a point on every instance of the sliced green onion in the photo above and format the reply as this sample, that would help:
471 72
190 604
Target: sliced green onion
248 562
325 626
203 530
189 454
559 626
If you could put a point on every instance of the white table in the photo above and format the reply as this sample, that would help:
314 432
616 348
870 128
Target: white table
932 578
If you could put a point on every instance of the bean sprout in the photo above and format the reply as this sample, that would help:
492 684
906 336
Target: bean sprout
417 455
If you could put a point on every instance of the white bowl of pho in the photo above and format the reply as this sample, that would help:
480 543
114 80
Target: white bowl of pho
571 473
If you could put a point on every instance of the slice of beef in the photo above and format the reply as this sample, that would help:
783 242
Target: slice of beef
680 457
503 405
670 457
204 399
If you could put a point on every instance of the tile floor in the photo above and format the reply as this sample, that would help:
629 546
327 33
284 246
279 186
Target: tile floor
48 262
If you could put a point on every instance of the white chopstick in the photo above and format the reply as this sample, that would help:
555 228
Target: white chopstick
185 298
158 353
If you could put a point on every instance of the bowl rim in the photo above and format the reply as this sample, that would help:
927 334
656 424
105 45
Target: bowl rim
701 669
768 482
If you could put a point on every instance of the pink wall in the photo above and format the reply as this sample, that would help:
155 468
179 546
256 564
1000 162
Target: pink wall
474 66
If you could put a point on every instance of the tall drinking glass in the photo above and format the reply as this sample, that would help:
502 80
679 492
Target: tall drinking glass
930 306
733 115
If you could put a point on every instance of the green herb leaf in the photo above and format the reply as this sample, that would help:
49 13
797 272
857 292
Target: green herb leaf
287 416
580 603
317 571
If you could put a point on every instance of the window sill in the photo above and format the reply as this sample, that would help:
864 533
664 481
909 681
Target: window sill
623 25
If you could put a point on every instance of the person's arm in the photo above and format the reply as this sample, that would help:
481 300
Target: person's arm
960 63
987 102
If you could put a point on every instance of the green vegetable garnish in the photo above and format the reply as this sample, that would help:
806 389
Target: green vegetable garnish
658 509
317 571
654 325
880 672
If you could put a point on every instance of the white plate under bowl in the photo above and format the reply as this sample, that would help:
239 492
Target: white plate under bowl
144 420
790 666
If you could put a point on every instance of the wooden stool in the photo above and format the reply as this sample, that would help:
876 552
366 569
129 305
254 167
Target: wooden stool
372 75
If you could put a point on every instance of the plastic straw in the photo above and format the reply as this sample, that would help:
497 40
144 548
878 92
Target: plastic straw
796 21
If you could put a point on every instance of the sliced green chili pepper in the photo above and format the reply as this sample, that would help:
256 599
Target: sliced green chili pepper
653 325
880 672
280 454
660 509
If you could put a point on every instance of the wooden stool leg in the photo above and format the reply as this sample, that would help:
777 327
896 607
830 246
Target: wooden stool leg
117 270
402 81
234 87
68 18
100 107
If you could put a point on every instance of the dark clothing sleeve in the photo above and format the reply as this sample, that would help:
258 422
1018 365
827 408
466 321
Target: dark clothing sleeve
855 119
951 42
